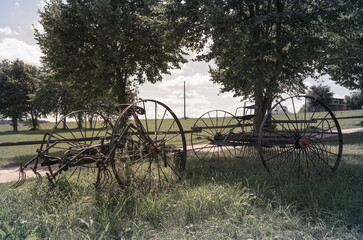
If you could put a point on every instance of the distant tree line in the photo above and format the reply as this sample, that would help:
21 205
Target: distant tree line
354 101
324 94
29 93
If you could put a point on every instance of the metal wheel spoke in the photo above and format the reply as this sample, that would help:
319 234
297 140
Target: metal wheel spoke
167 140
146 151
285 159
311 142
293 104
312 161
279 154
211 120
79 126
323 160
316 127
288 118
311 119
161 123
210 130
61 138
314 147
288 131
225 130
172 168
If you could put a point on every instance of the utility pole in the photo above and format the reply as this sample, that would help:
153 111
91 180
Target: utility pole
185 110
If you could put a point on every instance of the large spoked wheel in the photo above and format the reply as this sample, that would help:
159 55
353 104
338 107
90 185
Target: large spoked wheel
148 147
78 146
214 136
300 136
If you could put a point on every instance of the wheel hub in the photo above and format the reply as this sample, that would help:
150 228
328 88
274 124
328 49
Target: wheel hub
304 142
156 149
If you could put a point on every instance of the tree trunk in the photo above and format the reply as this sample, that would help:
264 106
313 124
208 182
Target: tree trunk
121 84
259 112
80 120
34 120
14 121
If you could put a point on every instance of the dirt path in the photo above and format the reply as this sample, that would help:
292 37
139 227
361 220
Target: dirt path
352 130
9 174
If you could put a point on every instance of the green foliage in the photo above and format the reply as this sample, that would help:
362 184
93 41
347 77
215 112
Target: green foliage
355 100
103 47
343 21
17 82
265 48
321 93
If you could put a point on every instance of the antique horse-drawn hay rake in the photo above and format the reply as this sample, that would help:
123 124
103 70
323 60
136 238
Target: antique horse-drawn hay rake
298 136
146 147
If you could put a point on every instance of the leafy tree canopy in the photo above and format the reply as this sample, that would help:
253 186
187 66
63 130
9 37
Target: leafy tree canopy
16 79
321 93
354 101
343 21
263 48
100 46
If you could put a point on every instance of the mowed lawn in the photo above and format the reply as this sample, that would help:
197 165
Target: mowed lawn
229 199
14 155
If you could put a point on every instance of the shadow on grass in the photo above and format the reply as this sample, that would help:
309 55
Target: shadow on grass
43 131
337 199
25 132
16 161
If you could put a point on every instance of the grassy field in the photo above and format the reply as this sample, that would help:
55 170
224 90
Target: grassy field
15 155
230 199
234 199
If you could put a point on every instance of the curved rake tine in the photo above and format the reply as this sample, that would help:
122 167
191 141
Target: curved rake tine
21 180
109 177
37 174
50 179
99 180
105 179
39 177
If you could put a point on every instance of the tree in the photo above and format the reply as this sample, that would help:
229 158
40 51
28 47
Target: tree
100 47
55 97
354 101
343 21
321 93
35 107
261 48
14 91
264 48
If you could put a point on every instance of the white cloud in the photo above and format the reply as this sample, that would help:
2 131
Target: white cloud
41 3
194 102
339 91
7 31
17 4
37 25
12 48
194 81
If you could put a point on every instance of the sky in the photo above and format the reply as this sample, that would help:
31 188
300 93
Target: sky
18 18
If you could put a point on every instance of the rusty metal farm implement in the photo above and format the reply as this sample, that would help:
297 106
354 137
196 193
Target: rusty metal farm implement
146 145
298 136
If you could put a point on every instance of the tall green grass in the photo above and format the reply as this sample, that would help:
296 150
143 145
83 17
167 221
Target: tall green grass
232 199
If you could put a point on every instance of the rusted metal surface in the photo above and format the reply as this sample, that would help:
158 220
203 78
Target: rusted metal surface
90 152
305 142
